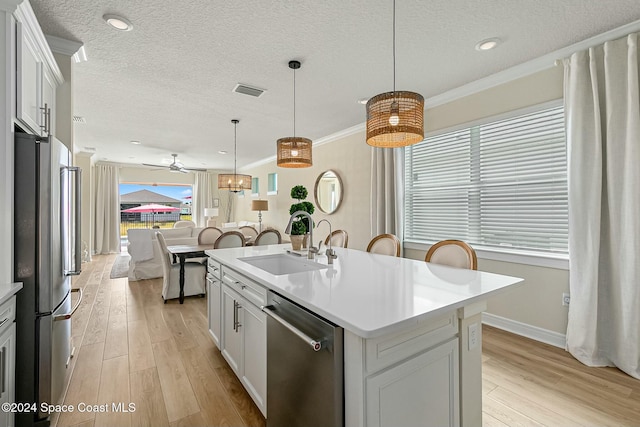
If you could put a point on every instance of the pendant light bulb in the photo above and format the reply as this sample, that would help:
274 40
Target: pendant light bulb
394 118
294 153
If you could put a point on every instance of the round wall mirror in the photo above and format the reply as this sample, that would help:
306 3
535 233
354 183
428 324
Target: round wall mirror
328 191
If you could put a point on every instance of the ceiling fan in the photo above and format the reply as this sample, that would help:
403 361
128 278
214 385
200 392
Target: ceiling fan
176 166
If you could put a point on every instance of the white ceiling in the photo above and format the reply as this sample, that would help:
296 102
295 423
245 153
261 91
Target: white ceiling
168 82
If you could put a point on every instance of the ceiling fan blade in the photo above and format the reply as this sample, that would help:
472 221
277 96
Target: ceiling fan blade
155 166
194 169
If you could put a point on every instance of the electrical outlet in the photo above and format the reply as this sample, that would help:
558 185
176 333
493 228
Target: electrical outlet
473 336
566 299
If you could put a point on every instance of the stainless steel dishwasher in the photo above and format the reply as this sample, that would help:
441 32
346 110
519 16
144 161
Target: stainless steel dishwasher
305 369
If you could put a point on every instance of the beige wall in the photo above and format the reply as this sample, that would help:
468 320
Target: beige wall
84 161
349 157
64 102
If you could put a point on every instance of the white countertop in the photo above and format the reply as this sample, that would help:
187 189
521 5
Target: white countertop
7 290
368 294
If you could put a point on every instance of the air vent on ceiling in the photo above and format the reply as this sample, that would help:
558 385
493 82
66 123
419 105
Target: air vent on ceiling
248 90
79 119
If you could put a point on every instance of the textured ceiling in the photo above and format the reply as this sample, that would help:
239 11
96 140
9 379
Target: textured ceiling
168 82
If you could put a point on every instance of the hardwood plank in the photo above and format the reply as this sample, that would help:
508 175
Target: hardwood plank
146 393
116 341
490 421
84 384
194 420
506 414
114 389
118 303
216 406
96 330
538 413
140 350
243 403
179 330
158 328
178 395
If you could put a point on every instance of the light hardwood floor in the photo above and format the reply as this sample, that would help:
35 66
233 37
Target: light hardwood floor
132 348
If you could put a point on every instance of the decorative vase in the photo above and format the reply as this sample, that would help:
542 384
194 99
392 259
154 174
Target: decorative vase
296 241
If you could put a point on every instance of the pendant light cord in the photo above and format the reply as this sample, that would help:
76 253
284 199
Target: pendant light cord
394 46
294 102
235 151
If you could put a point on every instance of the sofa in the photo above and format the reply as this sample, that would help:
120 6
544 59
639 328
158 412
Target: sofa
145 251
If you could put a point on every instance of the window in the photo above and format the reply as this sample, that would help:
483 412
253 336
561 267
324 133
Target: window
272 184
501 184
255 187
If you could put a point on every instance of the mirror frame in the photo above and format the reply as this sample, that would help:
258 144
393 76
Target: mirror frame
315 191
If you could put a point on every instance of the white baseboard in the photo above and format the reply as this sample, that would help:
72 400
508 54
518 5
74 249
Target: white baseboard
535 333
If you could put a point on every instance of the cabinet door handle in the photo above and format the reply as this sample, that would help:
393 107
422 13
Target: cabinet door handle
4 321
45 121
48 120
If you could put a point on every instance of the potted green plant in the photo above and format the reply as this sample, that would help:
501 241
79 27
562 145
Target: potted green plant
301 226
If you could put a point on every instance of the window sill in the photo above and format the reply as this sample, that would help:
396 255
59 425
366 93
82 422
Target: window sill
558 261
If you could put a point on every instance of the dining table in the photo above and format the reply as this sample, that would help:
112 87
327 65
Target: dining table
182 252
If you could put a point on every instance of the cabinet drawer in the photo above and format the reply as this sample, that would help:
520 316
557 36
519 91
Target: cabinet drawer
213 267
255 293
384 351
7 313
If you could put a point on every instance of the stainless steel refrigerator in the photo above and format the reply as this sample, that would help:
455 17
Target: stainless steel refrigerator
47 252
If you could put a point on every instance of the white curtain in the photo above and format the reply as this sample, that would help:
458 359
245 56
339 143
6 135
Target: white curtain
204 191
602 102
387 195
107 218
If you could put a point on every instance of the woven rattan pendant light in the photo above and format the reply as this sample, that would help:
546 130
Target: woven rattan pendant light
395 119
234 182
294 151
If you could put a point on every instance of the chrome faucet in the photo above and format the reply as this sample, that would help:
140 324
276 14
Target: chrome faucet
331 254
312 249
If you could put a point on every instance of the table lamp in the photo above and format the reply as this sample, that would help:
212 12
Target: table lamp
211 213
259 205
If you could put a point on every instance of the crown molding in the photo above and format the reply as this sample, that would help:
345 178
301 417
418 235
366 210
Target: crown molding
67 47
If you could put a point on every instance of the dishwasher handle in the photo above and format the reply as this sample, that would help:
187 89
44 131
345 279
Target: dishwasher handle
316 345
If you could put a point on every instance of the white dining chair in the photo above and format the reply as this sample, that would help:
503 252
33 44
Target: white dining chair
268 237
194 275
454 253
230 239
385 244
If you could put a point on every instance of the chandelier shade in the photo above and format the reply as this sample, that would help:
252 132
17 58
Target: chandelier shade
294 152
234 182
395 119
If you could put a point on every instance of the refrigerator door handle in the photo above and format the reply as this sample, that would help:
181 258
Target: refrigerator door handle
77 218
75 307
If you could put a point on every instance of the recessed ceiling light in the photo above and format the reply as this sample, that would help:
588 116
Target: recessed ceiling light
363 101
222 152
135 142
118 22
488 44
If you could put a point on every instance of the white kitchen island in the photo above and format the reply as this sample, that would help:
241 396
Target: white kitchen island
412 330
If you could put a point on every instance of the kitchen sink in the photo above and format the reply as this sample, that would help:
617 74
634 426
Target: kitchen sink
282 264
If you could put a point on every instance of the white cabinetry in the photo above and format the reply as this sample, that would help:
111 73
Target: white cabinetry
405 378
244 333
37 75
7 358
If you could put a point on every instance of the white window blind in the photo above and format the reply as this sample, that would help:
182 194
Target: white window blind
500 184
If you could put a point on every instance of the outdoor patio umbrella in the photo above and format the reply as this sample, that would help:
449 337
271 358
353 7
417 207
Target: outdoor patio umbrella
151 208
